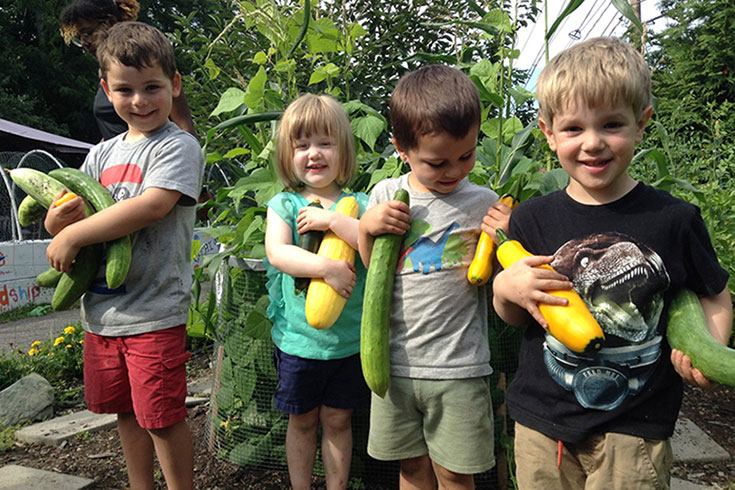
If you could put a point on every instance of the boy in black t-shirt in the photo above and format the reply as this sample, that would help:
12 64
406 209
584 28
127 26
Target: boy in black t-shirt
603 420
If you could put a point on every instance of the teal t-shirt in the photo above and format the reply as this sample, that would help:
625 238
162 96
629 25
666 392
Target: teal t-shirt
291 333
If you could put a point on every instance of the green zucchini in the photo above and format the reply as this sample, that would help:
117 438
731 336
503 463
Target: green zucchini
688 332
72 285
49 278
119 251
310 241
374 329
30 211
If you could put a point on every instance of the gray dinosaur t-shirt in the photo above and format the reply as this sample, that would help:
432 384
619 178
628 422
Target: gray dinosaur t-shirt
156 292
438 324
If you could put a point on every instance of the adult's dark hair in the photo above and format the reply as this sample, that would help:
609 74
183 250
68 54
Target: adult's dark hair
110 11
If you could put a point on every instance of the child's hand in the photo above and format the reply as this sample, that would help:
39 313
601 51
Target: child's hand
683 366
61 251
313 218
59 217
498 216
387 217
525 284
342 277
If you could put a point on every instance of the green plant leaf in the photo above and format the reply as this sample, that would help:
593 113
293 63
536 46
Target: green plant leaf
256 88
624 8
368 129
230 100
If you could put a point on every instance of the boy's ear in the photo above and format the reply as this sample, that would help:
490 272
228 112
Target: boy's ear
106 89
176 85
401 152
546 129
645 116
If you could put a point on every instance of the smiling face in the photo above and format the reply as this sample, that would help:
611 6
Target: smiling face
595 146
440 162
142 98
316 162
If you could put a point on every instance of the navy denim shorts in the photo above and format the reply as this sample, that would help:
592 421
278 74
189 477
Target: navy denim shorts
304 384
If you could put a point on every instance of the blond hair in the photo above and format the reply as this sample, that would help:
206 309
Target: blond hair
311 114
601 72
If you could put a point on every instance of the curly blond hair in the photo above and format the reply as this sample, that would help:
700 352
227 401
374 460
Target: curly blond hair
103 11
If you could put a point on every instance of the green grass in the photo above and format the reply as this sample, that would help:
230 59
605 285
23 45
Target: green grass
25 311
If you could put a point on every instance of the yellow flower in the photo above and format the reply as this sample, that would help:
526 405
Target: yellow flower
59 340
33 352
51 354
36 343
81 341
69 330
68 346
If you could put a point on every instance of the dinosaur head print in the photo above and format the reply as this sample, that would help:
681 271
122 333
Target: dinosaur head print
621 281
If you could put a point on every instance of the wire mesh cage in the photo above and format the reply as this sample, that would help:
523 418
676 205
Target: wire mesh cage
12 195
244 426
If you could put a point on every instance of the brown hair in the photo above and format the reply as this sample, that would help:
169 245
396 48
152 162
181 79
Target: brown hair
136 45
601 72
102 11
308 115
435 98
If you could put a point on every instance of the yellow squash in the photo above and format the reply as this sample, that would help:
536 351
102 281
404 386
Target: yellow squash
324 304
481 267
573 325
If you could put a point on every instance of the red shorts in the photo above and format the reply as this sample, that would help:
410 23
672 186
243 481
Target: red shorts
144 374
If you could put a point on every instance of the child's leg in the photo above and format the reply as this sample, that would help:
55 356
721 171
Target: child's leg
336 445
624 461
138 450
416 474
175 452
536 458
301 440
450 480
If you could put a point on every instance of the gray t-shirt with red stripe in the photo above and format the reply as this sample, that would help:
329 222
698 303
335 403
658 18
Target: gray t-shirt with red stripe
156 292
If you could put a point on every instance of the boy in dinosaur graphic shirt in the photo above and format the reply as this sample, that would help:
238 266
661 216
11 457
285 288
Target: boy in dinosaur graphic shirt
436 417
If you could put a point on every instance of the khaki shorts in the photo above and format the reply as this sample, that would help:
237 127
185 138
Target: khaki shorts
450 420
602 462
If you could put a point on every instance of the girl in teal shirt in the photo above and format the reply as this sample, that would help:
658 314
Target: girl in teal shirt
320 378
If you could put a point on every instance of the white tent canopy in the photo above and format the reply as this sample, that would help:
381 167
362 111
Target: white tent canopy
44 139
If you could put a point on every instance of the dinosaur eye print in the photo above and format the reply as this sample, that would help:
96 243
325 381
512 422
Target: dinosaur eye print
584 262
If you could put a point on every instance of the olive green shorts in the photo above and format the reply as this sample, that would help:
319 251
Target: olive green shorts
450 420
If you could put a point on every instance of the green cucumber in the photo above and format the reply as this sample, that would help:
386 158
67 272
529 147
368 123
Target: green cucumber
119 251
72 285
374 329
688 332
49 278
30 211
310 241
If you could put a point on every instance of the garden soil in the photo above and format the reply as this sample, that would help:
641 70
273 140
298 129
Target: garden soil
98 455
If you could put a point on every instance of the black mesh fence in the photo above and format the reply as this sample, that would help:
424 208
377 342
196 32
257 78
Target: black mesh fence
246 429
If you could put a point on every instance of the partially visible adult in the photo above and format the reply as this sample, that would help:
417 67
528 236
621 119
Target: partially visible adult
83 23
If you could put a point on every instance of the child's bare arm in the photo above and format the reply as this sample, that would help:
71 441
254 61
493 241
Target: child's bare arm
313 218
718 312
518 290
120 219
59 217
386 217
295 261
